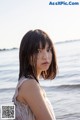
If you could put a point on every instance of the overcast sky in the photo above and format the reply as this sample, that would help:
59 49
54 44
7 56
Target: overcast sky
61 22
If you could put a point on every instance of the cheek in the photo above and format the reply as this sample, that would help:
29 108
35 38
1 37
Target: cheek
38 62
50 57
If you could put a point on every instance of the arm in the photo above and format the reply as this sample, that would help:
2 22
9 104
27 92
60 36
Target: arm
33 96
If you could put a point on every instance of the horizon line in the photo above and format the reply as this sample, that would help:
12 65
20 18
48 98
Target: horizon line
59 42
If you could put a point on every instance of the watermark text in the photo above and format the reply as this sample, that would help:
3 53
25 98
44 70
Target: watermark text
63 3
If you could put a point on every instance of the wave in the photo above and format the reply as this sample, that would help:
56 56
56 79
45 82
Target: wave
70 86
54 87
70 116
61 87
6 89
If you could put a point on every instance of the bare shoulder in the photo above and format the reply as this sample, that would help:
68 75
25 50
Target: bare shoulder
27 90
32 94
30 85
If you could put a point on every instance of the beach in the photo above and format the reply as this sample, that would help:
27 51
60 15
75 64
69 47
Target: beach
63 91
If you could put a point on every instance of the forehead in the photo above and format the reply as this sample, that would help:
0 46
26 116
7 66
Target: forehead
45 46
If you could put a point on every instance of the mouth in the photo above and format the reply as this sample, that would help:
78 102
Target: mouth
45 63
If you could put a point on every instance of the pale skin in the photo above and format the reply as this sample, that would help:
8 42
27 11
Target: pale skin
30 91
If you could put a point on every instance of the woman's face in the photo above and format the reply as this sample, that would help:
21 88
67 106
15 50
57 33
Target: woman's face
44 59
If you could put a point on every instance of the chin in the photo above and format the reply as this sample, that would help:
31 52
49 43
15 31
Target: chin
45 69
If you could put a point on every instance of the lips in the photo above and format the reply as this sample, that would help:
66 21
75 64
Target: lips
45 63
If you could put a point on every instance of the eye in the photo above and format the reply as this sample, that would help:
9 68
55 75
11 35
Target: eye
39 50
49 50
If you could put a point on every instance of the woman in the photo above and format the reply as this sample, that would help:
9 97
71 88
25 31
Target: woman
37 59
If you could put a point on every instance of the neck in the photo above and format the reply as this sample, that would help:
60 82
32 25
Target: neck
38 75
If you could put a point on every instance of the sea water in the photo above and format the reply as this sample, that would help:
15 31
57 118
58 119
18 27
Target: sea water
63 91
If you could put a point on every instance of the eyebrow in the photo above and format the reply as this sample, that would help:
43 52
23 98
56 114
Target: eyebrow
44 48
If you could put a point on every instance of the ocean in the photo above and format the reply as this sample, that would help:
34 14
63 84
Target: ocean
63 91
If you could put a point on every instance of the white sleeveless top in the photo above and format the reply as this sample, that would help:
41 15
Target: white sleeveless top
22 111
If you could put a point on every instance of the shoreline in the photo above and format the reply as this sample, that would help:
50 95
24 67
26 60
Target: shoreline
7 49
56 43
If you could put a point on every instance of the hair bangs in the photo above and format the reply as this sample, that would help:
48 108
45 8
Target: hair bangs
40 41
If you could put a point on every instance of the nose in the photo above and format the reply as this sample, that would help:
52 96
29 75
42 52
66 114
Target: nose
45 55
